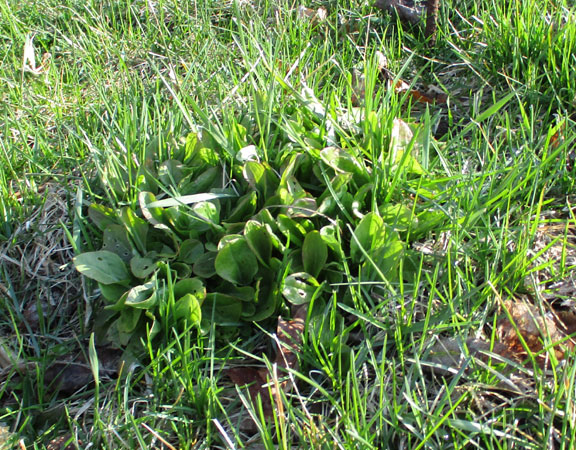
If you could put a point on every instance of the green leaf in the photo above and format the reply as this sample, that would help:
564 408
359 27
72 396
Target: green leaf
128 320
203 182
204 265
259 240
398 216
190 286
143 296
102 216
291 229
136 227
103 266
314 253
342 161
112 292
170 172
266 300
154 215
242 293
260 177
187 309
331 237
207 211
190 251
142 267
370 233
224 309
236 263
188 199
182 270
404 148
245 208
300 288
115 240
386 260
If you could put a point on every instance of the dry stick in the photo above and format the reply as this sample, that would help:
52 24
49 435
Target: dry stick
431 20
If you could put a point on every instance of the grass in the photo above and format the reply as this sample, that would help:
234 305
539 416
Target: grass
490 217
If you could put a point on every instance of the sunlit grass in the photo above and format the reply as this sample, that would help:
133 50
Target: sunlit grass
124 81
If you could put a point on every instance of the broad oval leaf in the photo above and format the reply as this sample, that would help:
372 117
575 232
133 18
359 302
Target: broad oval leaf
115 240
187 309
222 308
245 207
398 216
341 161
259 240
170 172
236 263
102 216
369 234
112 292
154 215
386 260
142 267
291 229
314 253
190 251
136 227
207 211
190 286
260 177
143 296
331 236
300 288
266 300
103 266
204 265
128 320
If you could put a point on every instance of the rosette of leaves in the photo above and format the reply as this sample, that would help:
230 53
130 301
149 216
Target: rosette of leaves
230 236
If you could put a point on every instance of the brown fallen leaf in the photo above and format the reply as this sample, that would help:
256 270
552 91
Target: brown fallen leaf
567 321
256 380
68 377
261 383
315 16
428 94
447 355
524 322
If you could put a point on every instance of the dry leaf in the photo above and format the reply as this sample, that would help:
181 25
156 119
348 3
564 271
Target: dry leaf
68 377
290 338
260 382
448 355
567 320
429 94
315 16
256 380
29 59
525 320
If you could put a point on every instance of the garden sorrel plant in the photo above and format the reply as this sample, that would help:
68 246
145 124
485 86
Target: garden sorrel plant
235 236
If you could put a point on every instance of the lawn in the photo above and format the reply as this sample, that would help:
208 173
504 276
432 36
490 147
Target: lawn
271 225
